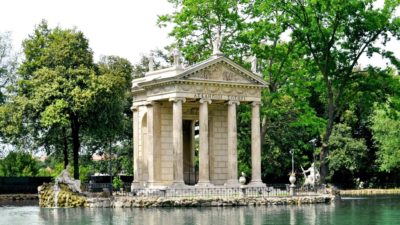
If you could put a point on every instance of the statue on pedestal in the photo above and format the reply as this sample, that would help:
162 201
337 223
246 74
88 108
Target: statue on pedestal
313 178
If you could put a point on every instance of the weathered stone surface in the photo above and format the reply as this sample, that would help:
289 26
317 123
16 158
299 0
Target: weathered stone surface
65 198
145 202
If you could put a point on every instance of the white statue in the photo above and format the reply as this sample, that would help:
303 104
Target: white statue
313 178
217 42
65 178
254 64
177 57
151 62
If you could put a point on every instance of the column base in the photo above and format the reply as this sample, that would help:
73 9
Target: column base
204 184
155 185
232 183
179 184
135 185
256 183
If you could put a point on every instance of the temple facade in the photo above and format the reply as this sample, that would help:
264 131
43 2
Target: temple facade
167 106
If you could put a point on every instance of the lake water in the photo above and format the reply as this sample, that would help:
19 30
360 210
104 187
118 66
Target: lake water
358 210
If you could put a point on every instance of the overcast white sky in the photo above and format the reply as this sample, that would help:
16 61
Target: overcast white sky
125 28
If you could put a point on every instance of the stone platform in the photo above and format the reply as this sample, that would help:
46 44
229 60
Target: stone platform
147 202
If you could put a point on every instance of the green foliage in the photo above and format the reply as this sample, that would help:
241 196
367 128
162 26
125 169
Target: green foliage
347 153
63 98
386 129
308 52
8 65
19 164
117 183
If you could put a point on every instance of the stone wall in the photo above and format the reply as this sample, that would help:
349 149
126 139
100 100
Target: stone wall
166 144
218 145
145 202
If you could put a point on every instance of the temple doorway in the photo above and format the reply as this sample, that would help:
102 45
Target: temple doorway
189 157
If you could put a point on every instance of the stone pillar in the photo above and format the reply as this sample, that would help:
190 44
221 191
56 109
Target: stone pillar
255 146
150 142
177 140
232 145
153 142
136 180
204 159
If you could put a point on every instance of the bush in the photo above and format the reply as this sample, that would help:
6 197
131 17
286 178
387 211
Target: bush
18 164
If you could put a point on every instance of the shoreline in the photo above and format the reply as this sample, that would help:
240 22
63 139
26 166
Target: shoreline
18 197
150 202
371 191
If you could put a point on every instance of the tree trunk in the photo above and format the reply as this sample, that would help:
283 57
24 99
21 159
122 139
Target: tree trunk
76 144
65 150
325 141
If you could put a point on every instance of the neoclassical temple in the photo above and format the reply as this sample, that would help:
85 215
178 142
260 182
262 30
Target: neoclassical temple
166 106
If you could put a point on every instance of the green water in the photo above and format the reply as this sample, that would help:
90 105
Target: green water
357 211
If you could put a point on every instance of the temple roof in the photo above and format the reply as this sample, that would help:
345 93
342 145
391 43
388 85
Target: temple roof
231 73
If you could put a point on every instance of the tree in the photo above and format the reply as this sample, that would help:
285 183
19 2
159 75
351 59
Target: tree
386 129
8 64
198 23
109 128
57 85
255 29
336 34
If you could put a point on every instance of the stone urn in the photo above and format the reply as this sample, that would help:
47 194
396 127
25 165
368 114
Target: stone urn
292 179
242 179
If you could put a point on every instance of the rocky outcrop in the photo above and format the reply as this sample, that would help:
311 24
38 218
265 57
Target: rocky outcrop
62 197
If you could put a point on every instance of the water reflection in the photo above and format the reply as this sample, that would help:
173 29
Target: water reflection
305 214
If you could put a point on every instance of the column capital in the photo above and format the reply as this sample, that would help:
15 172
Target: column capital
150 103
231 102
134 108
177 99
255 103
202 100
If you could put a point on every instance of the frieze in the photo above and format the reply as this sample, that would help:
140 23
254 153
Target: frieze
220 97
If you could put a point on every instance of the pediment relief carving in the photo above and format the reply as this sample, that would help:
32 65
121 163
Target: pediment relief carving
219 72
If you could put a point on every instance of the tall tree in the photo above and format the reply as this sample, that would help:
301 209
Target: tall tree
8 64
336 33
57 84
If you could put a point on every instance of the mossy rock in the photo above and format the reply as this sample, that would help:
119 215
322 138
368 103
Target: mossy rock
65 199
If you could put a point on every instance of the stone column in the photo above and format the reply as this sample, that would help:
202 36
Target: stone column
204 159
153 142
136 180
232 145
255 146
177 140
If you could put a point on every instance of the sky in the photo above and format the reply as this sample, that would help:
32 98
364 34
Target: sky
126 28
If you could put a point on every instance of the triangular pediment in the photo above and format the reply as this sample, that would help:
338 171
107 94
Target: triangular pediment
221 70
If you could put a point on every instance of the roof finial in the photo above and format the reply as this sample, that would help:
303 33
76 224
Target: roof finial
254 64
177 57
216 42
151 62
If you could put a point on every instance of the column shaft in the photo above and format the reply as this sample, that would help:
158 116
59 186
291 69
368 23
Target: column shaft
135 125
204 159
232 144
177 140
150 143
255 145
